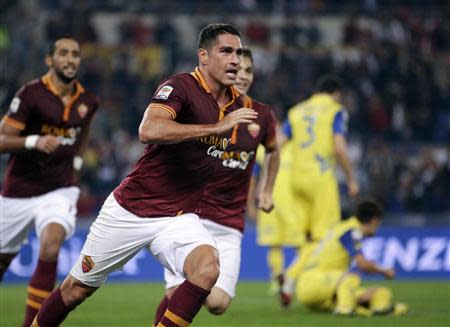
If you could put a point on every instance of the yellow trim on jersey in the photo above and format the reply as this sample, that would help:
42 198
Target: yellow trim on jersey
52 88
248 102
14 123
176 319
38 292
233 91
34 304
35 323
164 107
69 105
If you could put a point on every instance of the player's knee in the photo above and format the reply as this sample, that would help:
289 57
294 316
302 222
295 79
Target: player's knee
74 292
381 300
217 308
217 302
351 280
202 267
208 271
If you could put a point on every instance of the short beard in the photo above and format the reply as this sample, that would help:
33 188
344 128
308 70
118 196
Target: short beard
64 78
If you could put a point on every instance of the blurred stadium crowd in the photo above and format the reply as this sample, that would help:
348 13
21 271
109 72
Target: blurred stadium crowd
394 59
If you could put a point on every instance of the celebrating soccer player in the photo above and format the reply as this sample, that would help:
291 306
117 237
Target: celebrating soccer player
45 130
154 205
224 199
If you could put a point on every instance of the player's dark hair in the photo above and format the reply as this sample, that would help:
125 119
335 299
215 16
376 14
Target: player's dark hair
246 52
368 209
52 46
329 84
210 32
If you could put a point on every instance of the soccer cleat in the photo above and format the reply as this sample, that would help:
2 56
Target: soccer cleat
284 296
400 309
363 312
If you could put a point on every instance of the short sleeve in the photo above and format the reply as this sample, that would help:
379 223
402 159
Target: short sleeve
287 130
270 140
171 95
351 241
256 169
19 109
340 123
94 104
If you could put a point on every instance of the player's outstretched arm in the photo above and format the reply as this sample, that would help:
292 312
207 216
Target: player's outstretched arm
372 268
158 127
10 141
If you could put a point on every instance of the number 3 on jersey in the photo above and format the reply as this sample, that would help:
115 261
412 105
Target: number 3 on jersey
310 121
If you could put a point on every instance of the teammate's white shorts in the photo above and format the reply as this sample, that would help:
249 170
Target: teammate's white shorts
17 216
228 241
117 235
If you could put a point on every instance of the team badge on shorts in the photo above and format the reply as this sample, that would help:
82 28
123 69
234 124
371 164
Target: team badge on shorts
164 92
253 129
82 110
87 264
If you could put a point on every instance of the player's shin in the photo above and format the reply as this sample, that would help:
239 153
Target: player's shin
184 304
275 261
381 301
52 312
346 294
160 310
39 288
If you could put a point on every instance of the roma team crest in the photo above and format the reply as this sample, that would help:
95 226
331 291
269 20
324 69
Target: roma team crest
253 129
87 264
82 110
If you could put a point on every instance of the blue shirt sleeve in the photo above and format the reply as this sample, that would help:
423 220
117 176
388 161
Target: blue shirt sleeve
350 244
256 169
340 123
287 130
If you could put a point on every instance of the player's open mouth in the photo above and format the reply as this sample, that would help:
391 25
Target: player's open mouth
232 72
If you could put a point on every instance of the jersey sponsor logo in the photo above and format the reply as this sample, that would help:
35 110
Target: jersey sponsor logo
164 92
66 136
82 110
253 129
14 106
87 264
217 141
240 160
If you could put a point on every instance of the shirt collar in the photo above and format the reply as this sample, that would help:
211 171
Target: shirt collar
52 87
199 78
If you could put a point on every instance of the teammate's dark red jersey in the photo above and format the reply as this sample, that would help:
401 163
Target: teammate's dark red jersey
225 197
37 109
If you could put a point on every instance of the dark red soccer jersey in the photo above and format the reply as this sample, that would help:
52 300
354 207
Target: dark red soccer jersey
169 179
37 109
225 197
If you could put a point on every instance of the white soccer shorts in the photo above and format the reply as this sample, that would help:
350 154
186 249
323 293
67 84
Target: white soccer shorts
17 215
117 235
228 241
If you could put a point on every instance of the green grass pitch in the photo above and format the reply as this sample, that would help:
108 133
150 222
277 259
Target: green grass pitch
133 305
